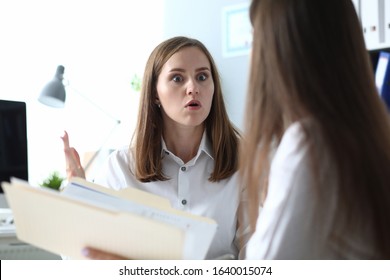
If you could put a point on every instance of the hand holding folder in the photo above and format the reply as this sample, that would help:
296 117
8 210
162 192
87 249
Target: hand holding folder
129 222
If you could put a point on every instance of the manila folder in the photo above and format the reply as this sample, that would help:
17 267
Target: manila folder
64 225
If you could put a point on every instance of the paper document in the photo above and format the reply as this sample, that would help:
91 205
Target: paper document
129 222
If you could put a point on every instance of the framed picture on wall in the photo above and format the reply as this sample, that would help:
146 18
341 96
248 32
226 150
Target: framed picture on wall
236 30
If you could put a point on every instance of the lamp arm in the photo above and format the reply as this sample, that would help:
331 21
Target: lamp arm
94 156
117 123
54 95
95 105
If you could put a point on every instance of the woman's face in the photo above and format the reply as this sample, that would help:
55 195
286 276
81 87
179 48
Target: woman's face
185 88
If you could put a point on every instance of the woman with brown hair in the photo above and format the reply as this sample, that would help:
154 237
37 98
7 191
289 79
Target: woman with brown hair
185 147
316 152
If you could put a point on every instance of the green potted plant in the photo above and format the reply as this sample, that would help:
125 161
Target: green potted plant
54 181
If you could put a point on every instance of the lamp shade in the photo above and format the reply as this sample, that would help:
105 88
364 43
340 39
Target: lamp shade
53 93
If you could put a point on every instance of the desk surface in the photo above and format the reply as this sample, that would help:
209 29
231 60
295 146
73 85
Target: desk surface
11 248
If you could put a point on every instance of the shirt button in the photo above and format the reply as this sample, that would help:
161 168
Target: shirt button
184 202
183 168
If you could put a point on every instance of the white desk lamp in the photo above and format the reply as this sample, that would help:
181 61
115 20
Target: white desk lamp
54 95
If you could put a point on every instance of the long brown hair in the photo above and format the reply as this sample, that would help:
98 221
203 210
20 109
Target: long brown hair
309 60
148 133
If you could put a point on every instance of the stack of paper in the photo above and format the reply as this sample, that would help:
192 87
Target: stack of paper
129 222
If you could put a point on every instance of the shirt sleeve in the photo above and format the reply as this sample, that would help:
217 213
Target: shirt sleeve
113 172
283 225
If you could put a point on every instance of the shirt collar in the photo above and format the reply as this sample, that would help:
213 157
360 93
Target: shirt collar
205 146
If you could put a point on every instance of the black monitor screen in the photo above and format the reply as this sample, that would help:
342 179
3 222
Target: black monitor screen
13 140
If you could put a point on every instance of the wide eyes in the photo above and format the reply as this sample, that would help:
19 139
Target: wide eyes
201 77
177 78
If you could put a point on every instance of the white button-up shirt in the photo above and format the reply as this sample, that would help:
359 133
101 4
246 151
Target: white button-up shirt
188 189
291 224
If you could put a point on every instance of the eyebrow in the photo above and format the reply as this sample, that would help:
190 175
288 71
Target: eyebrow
197 70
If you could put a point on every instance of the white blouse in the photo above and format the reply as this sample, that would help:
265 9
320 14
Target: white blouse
289 226
188 189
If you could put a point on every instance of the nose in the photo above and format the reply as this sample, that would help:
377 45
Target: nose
192 87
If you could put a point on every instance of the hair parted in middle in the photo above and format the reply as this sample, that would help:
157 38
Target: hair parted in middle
148 133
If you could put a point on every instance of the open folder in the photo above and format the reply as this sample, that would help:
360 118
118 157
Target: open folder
129 222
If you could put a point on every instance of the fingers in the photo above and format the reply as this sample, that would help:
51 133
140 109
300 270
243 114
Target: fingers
65 140
72 159
75 172
95 254
73 164
75 156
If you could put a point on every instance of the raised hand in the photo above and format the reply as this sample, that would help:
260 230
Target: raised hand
72 158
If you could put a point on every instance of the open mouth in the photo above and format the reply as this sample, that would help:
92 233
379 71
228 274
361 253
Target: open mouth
193 104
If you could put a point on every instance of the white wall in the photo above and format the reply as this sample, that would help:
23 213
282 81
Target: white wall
101 43
202 19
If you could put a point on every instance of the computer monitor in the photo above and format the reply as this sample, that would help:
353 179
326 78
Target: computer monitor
382 77
13 143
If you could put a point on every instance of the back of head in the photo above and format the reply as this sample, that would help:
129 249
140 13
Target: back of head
309 60
313 53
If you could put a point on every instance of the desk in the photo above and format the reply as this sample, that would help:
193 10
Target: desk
13 249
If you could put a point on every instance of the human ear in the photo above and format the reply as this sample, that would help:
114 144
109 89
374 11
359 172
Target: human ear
157 102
